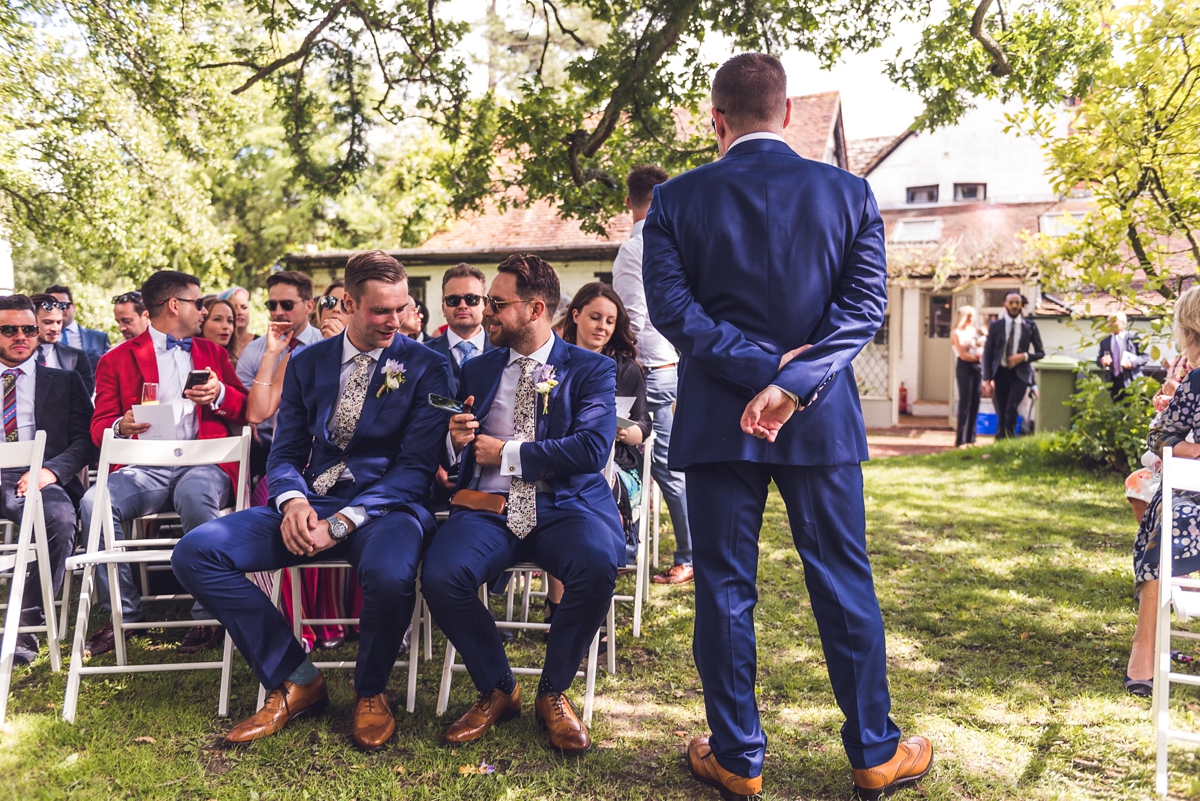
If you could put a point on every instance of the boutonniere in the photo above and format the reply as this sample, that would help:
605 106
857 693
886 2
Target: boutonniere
393 377
546 382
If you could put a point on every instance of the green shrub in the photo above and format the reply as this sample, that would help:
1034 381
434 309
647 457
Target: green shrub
1104 433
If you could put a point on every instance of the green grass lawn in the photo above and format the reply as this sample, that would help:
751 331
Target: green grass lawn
1005 584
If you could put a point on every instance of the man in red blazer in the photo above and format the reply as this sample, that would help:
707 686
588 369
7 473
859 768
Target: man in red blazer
164 354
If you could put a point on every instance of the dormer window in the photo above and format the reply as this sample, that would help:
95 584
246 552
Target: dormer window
970 193
922 194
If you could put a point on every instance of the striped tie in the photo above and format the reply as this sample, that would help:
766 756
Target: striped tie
10 405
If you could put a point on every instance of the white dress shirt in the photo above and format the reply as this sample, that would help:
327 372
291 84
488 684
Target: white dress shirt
173 368
479 340
50 355
72 335
750 137
653 349
26 384
355 514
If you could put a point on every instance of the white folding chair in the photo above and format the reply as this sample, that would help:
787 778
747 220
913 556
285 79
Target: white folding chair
30 545
113 552
641 591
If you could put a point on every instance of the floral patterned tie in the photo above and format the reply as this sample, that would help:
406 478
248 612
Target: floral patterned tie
522 496
345 419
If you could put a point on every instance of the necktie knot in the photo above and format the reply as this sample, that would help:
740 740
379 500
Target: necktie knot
11 373
295 343
185 343
466 350
363 360
527 365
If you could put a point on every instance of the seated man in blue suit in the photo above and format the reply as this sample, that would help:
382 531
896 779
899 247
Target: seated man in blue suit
353 458
747 261
545 424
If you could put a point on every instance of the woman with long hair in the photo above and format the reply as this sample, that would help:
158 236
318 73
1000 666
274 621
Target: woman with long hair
220 325
967 342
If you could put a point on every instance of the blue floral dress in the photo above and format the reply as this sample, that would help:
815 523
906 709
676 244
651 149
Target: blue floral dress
1170 427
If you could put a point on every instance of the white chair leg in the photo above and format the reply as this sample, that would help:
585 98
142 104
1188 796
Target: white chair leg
527 590
12 621
447 677
47 582
589 691
414 649
118 614
71 700
612 637
226 677
655 502
65 610
428 619
297 604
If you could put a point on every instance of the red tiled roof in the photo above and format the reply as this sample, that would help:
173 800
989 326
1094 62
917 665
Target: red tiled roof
863 154
814 119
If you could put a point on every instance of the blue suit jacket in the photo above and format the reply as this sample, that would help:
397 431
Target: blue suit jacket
95 345
442 345
750 257
573 439
396 446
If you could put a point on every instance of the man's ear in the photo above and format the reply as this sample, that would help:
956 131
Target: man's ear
537 309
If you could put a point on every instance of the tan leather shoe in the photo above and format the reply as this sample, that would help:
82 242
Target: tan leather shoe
489 709
567 732
677 574
373 722
705 767
284 704
913 759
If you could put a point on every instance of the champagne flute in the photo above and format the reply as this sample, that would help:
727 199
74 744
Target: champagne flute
149 393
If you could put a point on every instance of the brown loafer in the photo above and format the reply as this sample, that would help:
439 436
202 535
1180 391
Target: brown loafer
284 704
373 722
678 574
913 759
102 642
200 637
704 766
557 716
489 709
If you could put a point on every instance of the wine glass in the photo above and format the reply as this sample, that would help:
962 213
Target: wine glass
149 393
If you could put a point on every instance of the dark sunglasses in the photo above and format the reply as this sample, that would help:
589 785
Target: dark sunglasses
10 331
287 305
128 297
496 304
453 300
326 303
51 305
197 302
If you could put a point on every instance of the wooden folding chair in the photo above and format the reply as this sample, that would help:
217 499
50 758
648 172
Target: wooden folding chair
113 552
30 545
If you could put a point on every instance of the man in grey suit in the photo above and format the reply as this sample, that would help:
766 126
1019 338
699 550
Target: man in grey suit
51 351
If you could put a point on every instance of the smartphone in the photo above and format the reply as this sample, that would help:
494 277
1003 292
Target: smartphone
196 378
450 404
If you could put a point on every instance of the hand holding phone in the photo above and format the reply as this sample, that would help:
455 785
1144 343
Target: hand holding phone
462 425
196 378
450 404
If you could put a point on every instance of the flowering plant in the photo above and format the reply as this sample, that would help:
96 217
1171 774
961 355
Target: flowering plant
546 382
393 377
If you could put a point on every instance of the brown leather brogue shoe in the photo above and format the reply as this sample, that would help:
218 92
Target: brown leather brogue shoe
557 715
284 704
913 759
200 637
489 709
704 766
102 642
373 722
678 574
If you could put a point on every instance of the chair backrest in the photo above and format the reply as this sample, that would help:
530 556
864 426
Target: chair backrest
26 454
1178 475
172 452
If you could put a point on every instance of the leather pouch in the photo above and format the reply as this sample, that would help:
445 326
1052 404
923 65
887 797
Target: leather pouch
479 501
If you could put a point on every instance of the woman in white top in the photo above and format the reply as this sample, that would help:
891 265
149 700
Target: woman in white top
967 342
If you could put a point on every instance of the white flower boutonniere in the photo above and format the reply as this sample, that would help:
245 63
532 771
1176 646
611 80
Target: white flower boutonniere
393 377
546 382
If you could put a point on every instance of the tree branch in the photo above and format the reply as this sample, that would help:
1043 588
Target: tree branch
1000 64
300 52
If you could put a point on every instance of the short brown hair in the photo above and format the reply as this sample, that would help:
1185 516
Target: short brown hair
463 270
535 279
294 278
372 265
640 183
16 303
750 90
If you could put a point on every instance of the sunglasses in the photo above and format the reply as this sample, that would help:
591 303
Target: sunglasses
128 297
326 302
496 304
197 302
10 331
287 305
51 305
453 300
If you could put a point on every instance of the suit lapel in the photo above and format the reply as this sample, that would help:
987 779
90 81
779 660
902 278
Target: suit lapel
560 354
492 382
144 357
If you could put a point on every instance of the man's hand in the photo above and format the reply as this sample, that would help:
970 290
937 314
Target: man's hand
462 429
1106 360
791 354
442 479
321 539
207 392
767 413
129 428
488 450
1016 359
1127 361
45 479
298 527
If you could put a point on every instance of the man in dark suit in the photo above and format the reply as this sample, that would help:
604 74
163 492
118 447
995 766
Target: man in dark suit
54 401
51 350
544 425
353 457
463 291
93 343
1013 344
767 272
1120 356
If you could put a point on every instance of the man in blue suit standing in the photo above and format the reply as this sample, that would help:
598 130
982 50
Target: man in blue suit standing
532 459
355 449
768 273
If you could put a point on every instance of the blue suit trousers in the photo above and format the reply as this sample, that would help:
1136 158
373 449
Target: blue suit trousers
211 562
828 520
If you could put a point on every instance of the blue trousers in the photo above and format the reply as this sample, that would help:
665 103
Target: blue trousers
825 508
211 562
472 548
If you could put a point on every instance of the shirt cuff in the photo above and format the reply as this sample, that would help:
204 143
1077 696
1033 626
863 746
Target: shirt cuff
510 459
795 398
220 398
116 427
284 497
355 514
455 458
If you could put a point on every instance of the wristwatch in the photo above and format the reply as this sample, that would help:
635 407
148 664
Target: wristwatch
338 530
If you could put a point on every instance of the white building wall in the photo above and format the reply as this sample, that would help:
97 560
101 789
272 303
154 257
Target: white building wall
908 359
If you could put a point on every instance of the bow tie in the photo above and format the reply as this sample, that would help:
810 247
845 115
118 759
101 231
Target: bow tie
185 343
